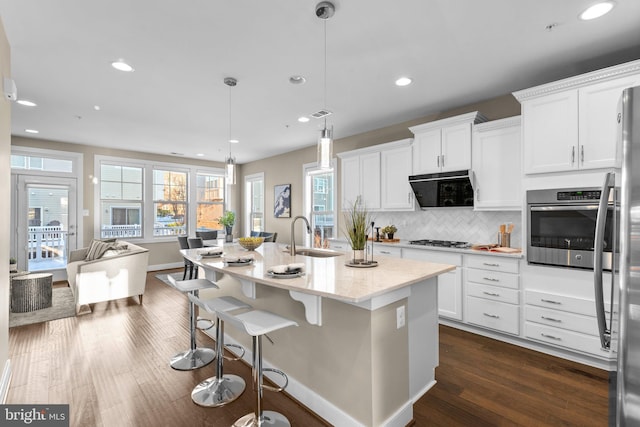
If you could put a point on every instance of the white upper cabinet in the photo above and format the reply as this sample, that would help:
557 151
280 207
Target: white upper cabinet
395 191
444 145
571 124
378 176
497 169
361 180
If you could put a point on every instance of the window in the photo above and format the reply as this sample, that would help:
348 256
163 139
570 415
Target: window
210 197
254 202
156 201
320 204
48 164
121 200
170 202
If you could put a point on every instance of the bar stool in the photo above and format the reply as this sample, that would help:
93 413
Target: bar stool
258 323
221 389
195 243
195 357
188 265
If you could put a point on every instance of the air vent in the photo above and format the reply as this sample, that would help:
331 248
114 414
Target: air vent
320 114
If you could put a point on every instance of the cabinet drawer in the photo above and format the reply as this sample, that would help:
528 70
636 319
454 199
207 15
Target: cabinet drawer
432 256
494 263
564 338
385 250
561 319
561 302
495 278
492 314
493 293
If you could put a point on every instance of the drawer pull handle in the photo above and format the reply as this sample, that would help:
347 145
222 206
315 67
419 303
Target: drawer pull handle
385 252
490 264
551 337
551 319
489 279
493 294
338 247
493 316
550 301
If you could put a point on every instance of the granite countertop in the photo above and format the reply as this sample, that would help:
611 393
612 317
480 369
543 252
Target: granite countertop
326 277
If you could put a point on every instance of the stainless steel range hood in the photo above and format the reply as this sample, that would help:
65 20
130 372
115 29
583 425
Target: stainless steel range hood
443 190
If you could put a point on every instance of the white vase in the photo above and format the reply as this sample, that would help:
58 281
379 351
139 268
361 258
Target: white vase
358 255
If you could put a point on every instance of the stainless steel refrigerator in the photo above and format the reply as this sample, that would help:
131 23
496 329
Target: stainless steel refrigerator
620 325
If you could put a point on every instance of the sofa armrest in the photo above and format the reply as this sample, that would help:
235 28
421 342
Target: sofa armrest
78 255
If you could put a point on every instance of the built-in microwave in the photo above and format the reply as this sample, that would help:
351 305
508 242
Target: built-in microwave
562 225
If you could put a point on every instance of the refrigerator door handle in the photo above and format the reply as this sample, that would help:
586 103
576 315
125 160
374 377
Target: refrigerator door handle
598 248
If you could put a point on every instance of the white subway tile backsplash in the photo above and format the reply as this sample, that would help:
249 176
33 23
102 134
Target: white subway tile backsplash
462 224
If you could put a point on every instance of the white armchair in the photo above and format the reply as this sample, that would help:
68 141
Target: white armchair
110 277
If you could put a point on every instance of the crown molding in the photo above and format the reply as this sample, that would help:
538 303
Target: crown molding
498 124
471 118
581 80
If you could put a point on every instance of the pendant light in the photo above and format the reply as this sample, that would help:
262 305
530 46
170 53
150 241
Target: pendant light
230 162
324 11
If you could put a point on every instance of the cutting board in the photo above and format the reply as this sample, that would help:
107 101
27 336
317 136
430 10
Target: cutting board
493 247
385 240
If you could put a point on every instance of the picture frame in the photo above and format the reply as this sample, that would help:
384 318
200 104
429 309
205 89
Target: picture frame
282 201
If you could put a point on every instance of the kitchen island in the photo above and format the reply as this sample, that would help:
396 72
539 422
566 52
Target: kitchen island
367 344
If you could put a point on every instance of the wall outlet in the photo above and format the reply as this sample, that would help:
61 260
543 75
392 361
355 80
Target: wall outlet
400 317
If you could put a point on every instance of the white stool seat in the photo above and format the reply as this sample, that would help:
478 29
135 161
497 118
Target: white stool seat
257 322
191 284
219 304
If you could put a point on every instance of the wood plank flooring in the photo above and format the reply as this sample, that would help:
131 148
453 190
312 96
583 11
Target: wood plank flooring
111 366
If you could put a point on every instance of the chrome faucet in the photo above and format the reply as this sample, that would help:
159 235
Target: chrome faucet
292 246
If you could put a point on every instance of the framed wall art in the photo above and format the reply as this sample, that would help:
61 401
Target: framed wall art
282 201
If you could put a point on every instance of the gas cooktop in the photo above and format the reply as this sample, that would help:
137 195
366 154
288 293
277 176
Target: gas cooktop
440 243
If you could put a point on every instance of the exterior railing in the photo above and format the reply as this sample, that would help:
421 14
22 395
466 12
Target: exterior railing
47 242
120 231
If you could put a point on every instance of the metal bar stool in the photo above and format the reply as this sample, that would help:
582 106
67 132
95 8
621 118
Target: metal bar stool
221 389
195 357
188 265
258 323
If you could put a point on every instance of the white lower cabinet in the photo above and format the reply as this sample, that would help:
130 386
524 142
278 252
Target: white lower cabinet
449 284
562 320
492 293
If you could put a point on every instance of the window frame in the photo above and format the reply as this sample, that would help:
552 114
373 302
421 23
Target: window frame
249 180
148 201
308 206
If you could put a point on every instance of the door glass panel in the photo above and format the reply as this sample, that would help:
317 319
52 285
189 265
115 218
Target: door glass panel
48 225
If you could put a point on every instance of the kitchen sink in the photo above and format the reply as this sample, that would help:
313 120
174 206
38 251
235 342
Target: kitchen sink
317 253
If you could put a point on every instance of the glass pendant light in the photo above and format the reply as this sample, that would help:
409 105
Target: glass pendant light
324 11
230 162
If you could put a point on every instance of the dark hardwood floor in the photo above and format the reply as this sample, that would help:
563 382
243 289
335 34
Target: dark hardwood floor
111 366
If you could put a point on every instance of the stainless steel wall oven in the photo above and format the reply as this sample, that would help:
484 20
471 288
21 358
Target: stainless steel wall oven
562 226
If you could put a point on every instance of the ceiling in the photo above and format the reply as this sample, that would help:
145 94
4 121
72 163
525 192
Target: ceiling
456 51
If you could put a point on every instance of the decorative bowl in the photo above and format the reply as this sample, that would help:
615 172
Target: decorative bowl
250 243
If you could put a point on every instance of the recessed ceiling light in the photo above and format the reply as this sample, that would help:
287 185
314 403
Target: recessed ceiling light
597 10
96 107
31 131
303 119
234 141
297 80
403 81
26 103
121 65
200 155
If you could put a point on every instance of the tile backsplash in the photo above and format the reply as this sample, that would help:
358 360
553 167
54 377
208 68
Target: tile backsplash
461 224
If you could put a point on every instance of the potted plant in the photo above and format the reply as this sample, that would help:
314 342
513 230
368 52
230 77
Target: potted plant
227 220
13 264
356 228
389 230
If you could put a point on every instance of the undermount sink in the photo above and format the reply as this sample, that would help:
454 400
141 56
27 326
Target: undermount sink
317 253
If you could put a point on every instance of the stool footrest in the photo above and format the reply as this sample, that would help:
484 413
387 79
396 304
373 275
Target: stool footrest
282 374
232 359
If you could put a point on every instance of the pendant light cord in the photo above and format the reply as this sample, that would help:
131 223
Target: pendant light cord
325 71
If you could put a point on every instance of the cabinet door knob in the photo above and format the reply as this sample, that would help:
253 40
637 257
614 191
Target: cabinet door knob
573 155
442 160
438 161
582 154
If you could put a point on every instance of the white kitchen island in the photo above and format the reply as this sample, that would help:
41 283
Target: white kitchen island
347 361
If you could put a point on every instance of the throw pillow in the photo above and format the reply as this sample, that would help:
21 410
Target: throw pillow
116 250
97 249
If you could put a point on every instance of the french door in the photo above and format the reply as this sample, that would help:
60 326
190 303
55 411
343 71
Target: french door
44 218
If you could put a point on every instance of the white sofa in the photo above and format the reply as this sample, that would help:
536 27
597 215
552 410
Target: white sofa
117 274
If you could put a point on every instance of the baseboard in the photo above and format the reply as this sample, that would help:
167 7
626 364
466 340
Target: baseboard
5 380
318 404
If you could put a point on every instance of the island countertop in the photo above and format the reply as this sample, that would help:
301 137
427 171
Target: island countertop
327 276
